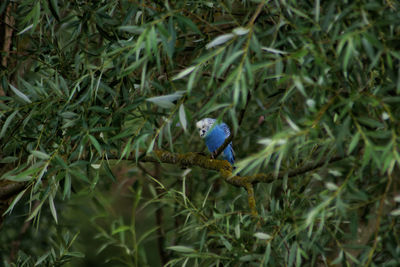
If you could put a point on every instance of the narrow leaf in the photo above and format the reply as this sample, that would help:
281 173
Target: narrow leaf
20 94
166 101
220 40
182 117
53 208
40 154
95 143
7 123
183 73
273 50
354 142
263 236
240 31
122 228
25 29
15 201
182 249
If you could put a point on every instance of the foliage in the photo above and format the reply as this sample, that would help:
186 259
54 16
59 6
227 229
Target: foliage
91 86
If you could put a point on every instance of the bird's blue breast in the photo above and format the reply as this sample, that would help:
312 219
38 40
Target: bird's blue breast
215 138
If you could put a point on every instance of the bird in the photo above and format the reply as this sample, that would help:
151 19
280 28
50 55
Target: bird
215 136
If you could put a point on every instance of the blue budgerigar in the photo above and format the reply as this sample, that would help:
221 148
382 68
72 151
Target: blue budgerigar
215 137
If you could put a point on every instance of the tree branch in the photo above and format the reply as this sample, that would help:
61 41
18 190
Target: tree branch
225 169
159 215
11 189
251 200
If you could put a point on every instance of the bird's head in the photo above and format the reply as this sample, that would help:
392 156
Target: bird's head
204 125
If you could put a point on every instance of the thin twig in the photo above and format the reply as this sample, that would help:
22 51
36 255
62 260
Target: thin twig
258 11
159 215
378 220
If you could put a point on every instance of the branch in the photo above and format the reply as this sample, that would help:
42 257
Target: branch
11 189
8 32
225 169
255 15
159 215
378 219
194 159
251 200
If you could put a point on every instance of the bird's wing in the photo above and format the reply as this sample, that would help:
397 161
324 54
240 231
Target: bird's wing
226 130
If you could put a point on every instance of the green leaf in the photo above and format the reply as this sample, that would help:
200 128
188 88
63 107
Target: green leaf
26 174
191 80
188 22
53 208
317 8
263 236
75 254
292 254
54 9
42 258
182 249
67 186
354 142
166 101
20 94
228 62
109 172
220 40
128 70
237 231
96 144
184 73
132 29
182 117
120 229
27 28
35 211
267 253
7 123
240 31
40 154
226 243
395 212
348 53
331 186
273 50
78 174
370 122
14 202
8 159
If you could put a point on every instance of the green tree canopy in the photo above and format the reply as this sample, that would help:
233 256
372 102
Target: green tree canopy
100 161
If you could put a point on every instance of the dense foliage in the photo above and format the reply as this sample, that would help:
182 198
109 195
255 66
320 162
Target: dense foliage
90 89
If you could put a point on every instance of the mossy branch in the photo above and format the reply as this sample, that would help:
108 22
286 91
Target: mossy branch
191 159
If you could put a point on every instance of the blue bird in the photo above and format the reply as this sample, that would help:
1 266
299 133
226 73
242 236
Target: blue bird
215 137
